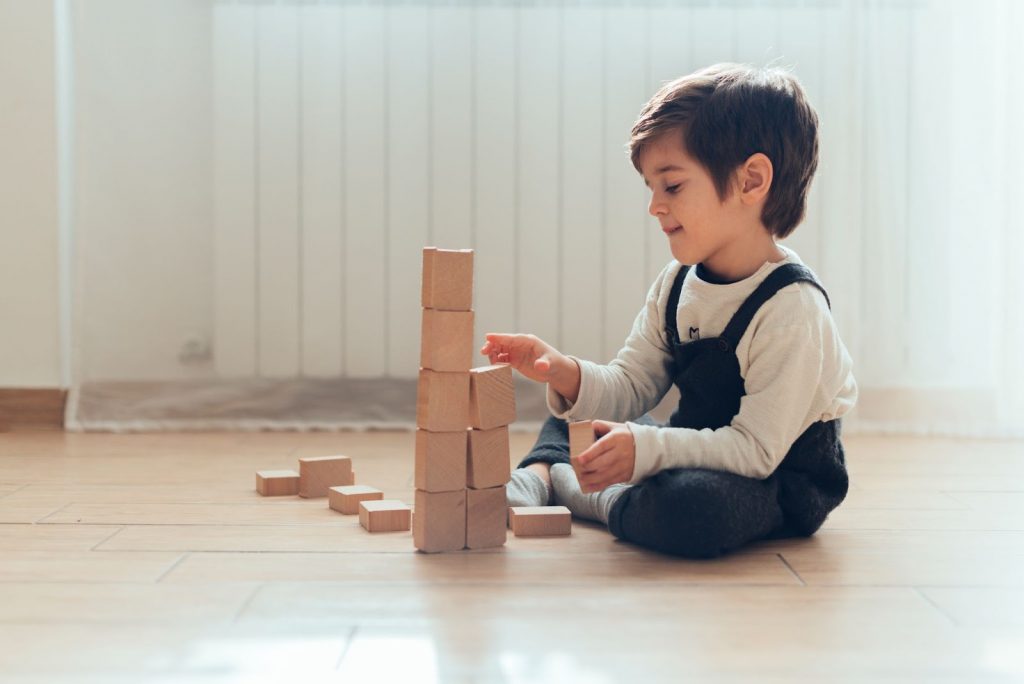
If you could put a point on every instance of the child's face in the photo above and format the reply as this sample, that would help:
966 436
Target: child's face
684 201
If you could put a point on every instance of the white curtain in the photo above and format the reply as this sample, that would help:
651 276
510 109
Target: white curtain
932 296
499 125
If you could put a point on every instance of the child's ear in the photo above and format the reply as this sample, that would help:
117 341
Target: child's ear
756 177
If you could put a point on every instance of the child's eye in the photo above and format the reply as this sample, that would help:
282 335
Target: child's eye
672 189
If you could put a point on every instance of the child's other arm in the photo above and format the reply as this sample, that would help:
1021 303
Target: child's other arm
789 385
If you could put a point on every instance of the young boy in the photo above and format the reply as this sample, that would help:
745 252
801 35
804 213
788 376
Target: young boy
736 321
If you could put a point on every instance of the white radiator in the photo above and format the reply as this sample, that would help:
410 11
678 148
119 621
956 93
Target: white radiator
350 135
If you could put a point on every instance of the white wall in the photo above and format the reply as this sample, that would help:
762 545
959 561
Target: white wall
29 301
143 204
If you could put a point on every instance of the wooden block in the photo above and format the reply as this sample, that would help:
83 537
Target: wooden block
440 521
540 521
385 515
442 401
446 341
346 499
317 474
486 517
492 397
581 437
277 482
487 460
447 279
441 461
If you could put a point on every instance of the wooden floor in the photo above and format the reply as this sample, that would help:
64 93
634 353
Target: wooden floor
149 558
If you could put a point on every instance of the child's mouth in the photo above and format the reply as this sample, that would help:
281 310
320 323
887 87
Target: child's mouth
671 231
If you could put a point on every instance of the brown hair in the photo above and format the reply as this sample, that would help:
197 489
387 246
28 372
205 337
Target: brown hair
727 112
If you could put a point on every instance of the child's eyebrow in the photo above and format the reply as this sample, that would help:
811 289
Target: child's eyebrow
664 169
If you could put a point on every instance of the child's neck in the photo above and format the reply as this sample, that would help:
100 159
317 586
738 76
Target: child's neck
742 259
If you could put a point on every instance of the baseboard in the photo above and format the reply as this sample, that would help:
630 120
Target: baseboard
32 409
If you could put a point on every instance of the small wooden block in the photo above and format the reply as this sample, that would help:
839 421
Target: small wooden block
346 499
441 461
487 461
492 397
277 482
447 279
440 521
385 515
540 521
581 437
446 341
442 401
317 474
486 517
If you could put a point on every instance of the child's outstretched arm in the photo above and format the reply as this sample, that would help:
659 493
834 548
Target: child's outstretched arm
536 359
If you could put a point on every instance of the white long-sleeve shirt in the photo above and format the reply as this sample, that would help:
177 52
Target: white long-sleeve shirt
796 371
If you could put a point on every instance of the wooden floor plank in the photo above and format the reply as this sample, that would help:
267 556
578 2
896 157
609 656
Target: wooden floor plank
16 537
85 566
490 566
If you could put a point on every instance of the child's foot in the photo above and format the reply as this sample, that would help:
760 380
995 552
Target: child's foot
527 488
596 506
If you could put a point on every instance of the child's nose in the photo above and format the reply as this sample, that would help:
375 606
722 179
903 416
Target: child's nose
656 207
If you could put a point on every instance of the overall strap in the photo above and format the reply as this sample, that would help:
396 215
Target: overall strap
779 278
671 324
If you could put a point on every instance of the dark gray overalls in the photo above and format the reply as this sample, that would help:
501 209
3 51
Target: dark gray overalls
701 513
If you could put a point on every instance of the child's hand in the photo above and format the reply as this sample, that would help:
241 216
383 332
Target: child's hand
528 354
609 460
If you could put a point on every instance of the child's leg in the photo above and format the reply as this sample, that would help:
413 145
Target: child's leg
697 513
530 484
552 445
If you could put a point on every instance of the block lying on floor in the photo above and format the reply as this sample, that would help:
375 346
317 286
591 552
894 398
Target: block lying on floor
385 515
346 499
540 521
317 474
486 516
440 522
277 482
492 397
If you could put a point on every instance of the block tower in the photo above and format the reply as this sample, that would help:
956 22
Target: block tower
462 418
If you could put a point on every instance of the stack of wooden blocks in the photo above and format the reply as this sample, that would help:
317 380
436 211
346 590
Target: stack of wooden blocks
462 418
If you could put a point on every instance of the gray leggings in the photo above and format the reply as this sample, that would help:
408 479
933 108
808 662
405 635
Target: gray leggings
689 512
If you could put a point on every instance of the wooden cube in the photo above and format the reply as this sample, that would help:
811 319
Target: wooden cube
581 438
540 521
346 499
440 461
317 474
487 460
385 515
492 397
277 482
447 279
442 401
440 521
446 341
486 517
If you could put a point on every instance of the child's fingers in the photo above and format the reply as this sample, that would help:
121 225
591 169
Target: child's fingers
602 428
588 455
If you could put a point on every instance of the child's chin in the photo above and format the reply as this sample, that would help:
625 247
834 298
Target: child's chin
684 256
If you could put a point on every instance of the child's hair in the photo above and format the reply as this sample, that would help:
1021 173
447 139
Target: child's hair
727 112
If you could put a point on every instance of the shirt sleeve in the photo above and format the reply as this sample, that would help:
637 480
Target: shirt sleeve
785 368
639 376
